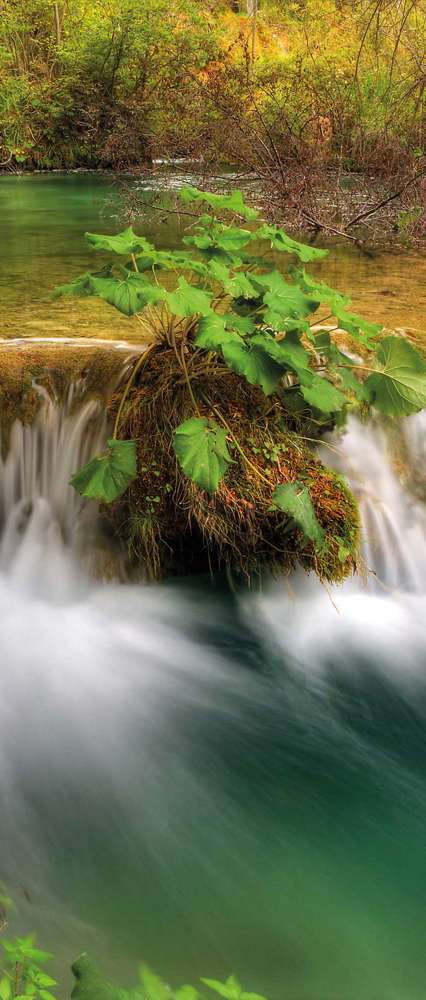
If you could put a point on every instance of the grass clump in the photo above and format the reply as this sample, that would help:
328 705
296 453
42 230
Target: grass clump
171 525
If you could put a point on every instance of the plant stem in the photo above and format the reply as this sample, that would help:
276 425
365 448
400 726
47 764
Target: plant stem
138 366
236 442
182 364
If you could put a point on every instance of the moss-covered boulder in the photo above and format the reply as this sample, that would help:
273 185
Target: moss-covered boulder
171 525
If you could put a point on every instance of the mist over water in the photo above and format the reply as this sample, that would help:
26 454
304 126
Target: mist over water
213 782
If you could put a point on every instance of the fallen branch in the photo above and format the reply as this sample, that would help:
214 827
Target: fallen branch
385 201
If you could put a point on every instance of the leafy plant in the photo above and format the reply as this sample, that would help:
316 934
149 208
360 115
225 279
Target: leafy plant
90 985
229 299
21 971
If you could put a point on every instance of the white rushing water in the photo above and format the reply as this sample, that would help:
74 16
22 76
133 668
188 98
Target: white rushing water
102 686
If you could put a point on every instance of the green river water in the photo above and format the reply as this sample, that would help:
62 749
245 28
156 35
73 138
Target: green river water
43 220
188 779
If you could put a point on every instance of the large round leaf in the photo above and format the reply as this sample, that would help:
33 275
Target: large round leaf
399 388
201 448
107 476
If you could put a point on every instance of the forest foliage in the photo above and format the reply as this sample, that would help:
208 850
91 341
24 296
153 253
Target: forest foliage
113 83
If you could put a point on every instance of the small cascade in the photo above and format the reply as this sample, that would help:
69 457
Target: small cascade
47 531
393 518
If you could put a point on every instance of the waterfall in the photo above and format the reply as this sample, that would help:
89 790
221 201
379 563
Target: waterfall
141 728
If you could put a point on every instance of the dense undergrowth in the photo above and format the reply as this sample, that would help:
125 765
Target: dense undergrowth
294 94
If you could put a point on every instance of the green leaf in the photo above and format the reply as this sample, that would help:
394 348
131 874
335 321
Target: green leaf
288 353
252 361
201 448
226 202
212 334
231 990
108 476
129 294
80 286
252 996
399 388
186 993
238 285
323 395
187 299
154 987
280 241
44 980
231 239
283 300
294 499
359 328
45 995
242 324
37 954
319 290
5 988
126 242
345 372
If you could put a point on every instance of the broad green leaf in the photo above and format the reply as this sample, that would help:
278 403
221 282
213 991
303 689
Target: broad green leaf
80 286
173 260
187 299
280 241
288 353
282 299
231 990
201 448
238 284
323 395
252 361
5 988
212 334
145 263
294 499
186 993
231 239
108 476
44 980
154 987
319 289
226 202
341 365
345 372
359 328
252 996
126 242
45 995
36 954
220 242
129 294
399 388
242 324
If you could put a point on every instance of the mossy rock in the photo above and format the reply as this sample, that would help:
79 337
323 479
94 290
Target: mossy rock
93 370
170 525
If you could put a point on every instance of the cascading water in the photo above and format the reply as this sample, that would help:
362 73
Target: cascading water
209 782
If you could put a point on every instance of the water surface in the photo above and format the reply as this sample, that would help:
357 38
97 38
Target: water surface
43 221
